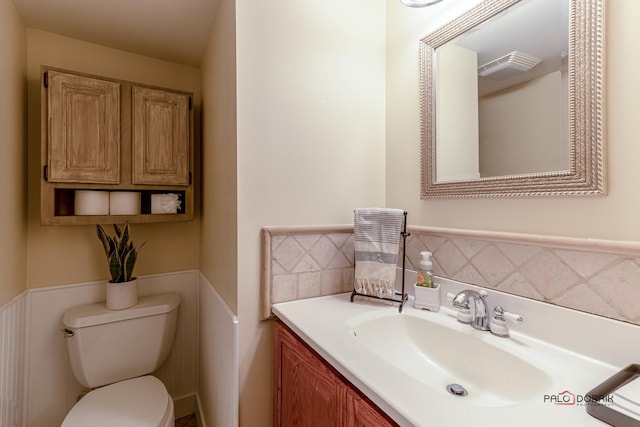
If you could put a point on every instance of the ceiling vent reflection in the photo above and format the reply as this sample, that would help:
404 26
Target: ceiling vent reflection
508 65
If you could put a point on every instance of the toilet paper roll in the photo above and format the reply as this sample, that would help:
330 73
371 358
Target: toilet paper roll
124 203
168 203
91 202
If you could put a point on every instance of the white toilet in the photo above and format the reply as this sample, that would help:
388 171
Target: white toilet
113 353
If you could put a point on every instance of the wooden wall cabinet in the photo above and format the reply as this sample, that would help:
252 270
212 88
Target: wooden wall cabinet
160 137
84 129
112 135
309 392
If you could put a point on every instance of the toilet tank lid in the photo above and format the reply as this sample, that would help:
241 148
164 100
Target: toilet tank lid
97 314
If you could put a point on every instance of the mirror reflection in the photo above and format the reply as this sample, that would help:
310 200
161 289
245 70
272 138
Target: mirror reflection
511 101
502 103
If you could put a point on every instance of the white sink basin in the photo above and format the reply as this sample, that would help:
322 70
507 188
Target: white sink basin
439 355
404 362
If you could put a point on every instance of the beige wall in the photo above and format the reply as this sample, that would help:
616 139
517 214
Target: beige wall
457 152
71 254
612 217
218 258
310 81
13 224
512 137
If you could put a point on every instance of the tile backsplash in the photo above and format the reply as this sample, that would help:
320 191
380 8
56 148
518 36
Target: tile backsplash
303 263
598 277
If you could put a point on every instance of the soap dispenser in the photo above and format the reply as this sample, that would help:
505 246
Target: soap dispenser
426 290
425 272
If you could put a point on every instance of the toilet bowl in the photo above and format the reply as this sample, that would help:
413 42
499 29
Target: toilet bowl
113 353
138 402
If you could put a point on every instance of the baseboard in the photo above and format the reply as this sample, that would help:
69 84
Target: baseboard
185 405
201 422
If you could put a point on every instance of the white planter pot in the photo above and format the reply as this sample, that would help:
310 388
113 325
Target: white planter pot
122 295
427 298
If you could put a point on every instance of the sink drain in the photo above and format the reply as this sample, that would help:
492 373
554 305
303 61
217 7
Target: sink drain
457 390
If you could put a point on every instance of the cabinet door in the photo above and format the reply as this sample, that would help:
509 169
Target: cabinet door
361 413
161 140
307 392
84 129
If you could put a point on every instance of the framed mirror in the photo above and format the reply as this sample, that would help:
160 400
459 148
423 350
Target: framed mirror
511 99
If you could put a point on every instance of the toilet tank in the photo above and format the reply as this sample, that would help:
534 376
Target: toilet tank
107 346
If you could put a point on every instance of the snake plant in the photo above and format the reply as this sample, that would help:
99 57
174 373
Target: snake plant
121 253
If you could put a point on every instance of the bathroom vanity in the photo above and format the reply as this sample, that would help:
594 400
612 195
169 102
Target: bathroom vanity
307 389
396 367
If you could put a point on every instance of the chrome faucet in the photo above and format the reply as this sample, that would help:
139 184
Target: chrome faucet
480 319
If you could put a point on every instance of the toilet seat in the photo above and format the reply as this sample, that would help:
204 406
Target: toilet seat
138 402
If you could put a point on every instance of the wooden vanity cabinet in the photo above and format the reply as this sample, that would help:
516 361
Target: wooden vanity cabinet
113 135
309 392
361 412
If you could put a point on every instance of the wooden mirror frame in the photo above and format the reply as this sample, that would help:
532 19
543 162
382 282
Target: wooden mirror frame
586 174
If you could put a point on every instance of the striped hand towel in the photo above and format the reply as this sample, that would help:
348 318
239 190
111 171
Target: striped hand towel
377 240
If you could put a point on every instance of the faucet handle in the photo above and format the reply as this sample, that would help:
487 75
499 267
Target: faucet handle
463 312
498 325
515 318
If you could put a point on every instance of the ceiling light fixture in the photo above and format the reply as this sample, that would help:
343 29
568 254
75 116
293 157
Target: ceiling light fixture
419 3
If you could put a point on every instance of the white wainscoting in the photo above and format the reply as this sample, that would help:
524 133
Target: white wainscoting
218 360
51 388
12 356
37 387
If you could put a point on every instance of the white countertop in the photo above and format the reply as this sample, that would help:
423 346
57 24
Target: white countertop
323 324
